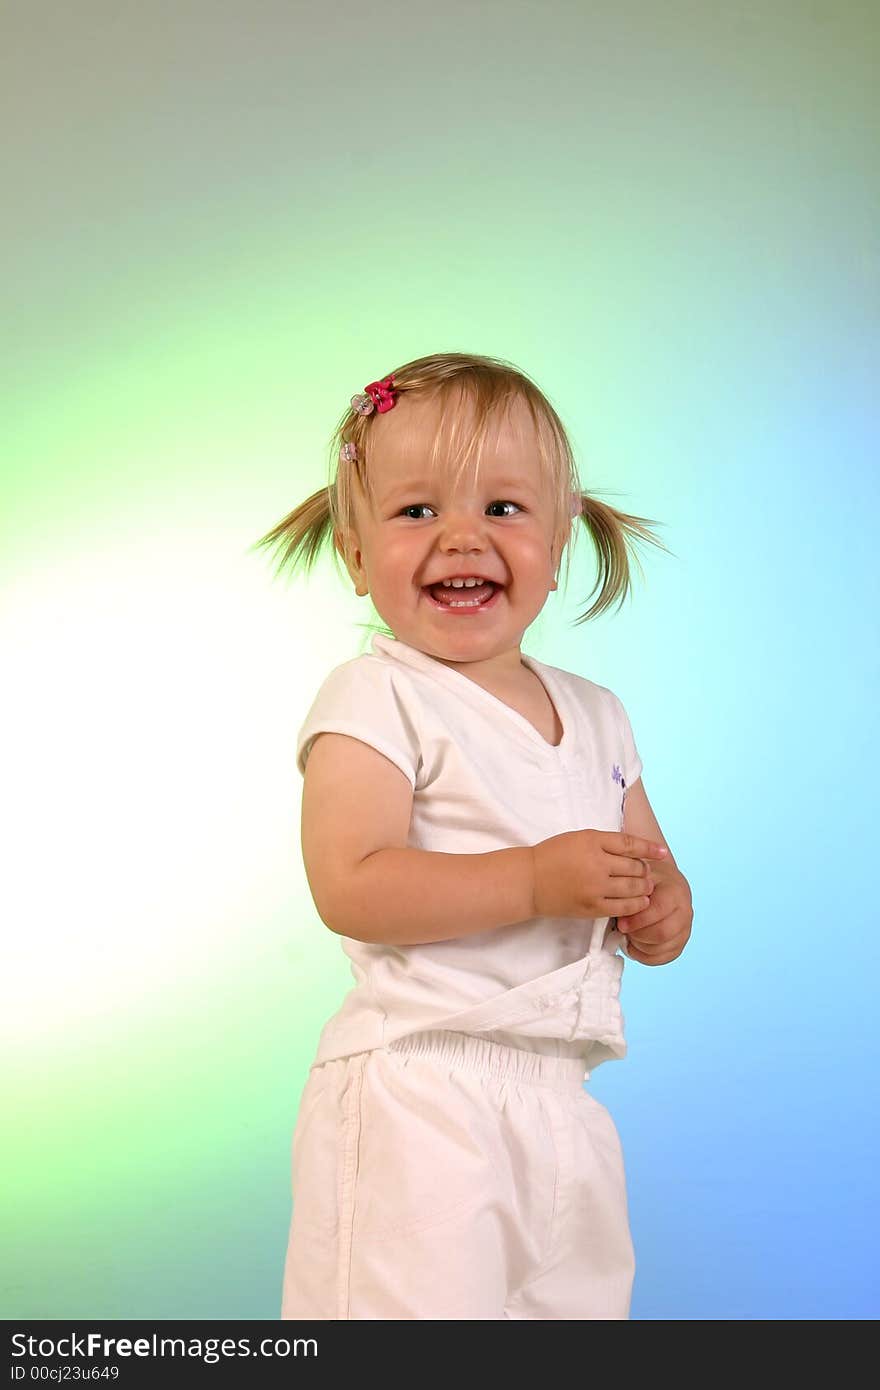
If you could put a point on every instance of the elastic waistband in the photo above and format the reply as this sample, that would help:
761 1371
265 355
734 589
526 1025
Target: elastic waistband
493 1058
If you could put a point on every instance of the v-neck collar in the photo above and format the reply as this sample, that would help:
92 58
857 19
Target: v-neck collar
466 688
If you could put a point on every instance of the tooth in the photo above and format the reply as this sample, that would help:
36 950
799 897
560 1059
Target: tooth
462 583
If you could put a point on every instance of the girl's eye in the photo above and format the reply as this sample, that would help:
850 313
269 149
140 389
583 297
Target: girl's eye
417 506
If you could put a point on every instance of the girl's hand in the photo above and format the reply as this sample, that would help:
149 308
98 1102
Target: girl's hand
592 873
659 932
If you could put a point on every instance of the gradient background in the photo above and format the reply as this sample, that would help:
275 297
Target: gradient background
222 219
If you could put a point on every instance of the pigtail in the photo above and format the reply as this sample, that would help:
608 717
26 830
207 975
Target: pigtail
301 535
613 533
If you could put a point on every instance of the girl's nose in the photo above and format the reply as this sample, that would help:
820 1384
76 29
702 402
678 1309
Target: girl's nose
460 527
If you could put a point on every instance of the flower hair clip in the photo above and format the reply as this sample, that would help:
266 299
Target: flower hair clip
379 395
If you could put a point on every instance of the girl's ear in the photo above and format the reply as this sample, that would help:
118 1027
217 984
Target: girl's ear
557 549
352 564
556 553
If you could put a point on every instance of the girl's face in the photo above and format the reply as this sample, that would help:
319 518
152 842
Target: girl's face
422 528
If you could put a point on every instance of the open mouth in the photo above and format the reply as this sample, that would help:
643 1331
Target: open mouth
463 600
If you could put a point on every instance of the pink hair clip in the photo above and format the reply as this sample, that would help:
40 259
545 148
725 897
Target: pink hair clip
348 453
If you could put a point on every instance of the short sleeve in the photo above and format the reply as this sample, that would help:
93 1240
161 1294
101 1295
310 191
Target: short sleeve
632 763
366 699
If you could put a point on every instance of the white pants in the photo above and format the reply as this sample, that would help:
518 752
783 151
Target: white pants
446 1176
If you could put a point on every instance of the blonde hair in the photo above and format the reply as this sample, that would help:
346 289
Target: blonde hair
489 384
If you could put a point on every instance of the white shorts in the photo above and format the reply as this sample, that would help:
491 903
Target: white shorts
446 1176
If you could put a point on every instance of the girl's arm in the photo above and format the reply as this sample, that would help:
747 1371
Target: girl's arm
368 884
659 933
639 819
406 896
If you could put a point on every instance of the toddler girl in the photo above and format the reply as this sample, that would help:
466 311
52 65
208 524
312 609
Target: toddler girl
475 830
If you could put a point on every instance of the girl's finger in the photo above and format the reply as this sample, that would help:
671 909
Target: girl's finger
646 958
654 946
648 917
637 921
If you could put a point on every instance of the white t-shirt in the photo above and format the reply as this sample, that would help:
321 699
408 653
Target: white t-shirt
483 779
